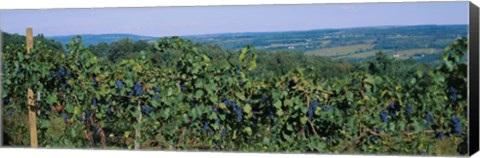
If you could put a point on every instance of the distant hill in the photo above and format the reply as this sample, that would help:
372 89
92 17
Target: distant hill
422 43
89 39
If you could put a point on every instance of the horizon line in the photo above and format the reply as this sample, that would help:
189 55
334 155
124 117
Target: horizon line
247 32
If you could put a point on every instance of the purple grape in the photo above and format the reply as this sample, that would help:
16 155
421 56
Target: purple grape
440 135
109 113
379 129
131 93
207 128
237 69
52 74
64 85
271 115
182 87
383 115
10 112
119 85
422 153
87 115
392 106
62 71
59 76
240 82
94 101
95 84
409 110
453 94
66 117
158 89
393 115
224 132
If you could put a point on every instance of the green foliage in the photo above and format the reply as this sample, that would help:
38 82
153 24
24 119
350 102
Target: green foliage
198 103
15 39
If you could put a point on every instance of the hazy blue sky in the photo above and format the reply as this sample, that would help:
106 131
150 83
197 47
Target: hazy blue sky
167 21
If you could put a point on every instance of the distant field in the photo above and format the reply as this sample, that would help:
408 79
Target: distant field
278 45
339 51
406 54
362 55
403 54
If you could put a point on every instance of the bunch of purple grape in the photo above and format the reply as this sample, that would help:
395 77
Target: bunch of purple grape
95 83
391 110
119 85
10 112
224 132
109 114
207 128
409 110
193 102
137 90
453 94
428 119
457 127
241 82
60 75
270 114
94 101
52 74
86 116
237 110
182 87
66 117
440 135
312 107
157 90
146 109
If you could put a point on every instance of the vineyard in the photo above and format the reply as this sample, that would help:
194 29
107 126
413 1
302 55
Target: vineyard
82 101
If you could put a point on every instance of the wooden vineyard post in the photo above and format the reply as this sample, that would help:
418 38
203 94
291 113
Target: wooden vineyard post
32 118
137 131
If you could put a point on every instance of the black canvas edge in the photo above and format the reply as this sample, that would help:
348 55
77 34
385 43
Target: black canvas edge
1 87
473 82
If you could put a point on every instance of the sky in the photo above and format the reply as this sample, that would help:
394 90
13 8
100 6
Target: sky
180 21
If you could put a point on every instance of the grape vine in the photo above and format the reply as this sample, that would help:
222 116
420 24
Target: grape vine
84 102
